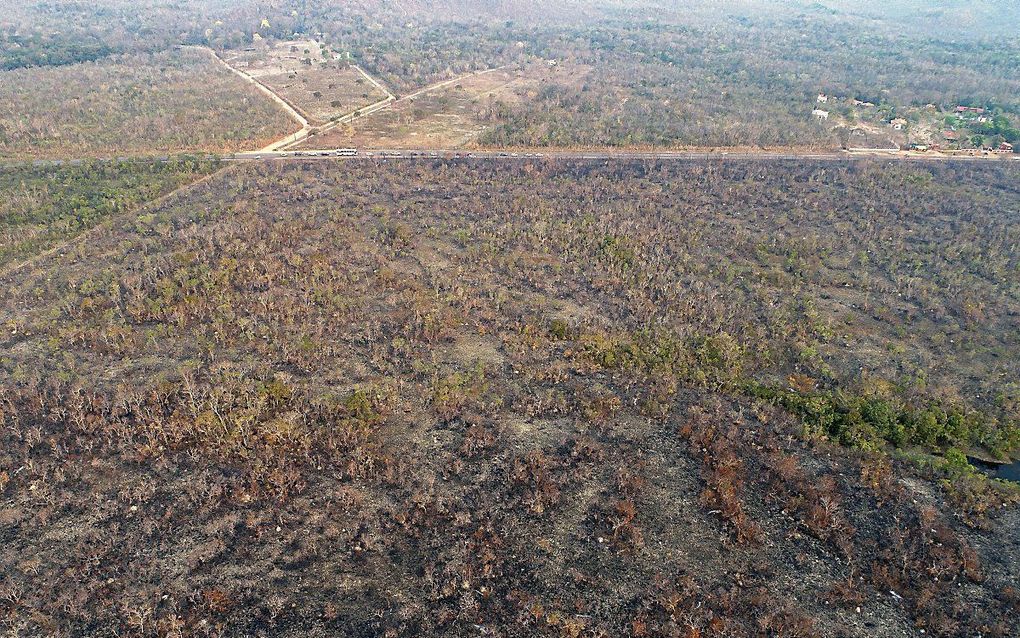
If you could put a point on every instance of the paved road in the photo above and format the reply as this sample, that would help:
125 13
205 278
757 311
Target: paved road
510 156
604 155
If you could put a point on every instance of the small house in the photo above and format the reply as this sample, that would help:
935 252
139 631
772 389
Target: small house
1005 147
822 98
969 111
951 136
820 114
898 123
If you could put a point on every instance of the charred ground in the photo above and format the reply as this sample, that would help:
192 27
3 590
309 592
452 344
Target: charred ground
564 399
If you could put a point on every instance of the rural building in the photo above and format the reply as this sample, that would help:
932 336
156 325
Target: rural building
820 114
822 98
898 123
951 136
1005 147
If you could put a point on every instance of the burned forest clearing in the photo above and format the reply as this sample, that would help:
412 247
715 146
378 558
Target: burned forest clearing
334 364
586 319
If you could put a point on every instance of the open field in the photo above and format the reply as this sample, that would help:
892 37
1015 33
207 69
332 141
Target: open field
542 398
448 115
318 84
169 102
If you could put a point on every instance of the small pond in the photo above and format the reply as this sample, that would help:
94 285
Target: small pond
1005 471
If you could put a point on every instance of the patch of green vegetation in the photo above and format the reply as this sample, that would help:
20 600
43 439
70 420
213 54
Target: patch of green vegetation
855 420
868 422
18 51
999 125
40 207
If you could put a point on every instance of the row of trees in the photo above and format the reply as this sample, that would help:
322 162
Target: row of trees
54 50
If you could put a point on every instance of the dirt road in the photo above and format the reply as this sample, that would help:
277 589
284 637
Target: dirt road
381 104
374 82
446 83
306 127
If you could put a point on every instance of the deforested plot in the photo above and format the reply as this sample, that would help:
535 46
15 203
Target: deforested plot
450 114
523 319
462 398
321 84
139 104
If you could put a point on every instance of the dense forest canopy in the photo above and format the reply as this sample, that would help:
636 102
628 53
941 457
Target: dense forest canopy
147 22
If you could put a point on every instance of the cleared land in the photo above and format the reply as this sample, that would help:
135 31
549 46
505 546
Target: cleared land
544 398
583 392
314 82
170 102
448 115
